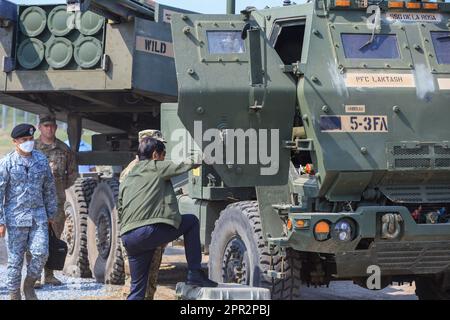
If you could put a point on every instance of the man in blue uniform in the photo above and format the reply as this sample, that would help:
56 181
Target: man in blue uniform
28 203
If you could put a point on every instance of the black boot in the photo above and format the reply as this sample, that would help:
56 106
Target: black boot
15 295
199 279
28 288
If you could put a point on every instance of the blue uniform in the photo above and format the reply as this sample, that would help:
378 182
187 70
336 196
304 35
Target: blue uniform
27 200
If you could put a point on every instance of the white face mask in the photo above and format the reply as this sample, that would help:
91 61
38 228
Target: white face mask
27 146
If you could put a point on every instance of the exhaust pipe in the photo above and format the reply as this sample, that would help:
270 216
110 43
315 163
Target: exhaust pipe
231 6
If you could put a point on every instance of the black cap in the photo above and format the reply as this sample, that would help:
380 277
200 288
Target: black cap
23 130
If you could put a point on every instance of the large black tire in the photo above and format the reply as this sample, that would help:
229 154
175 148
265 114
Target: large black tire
76 207
104 245
433 287
238 253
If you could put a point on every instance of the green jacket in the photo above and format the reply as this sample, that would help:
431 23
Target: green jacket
146 195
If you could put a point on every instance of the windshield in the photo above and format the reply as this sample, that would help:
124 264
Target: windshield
359 46
441 43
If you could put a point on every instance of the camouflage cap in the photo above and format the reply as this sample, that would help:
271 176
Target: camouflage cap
156 134
47 118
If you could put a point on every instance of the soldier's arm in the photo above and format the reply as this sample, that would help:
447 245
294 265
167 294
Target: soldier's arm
49 193
4 177
72 169
171 169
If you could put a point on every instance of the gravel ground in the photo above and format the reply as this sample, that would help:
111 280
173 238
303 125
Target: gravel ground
174 269
72 288
346 290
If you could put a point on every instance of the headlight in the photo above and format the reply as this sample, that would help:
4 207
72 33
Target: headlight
344 230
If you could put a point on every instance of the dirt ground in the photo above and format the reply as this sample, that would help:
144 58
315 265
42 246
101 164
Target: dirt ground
174 267
173 270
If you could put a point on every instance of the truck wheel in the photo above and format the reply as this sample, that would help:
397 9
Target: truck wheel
75 228
104 247
433 287
238 253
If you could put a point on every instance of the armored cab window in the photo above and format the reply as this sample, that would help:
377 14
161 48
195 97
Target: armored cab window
441 43
225 42
361 46
287 39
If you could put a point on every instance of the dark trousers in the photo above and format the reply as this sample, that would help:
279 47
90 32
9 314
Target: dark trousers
141 243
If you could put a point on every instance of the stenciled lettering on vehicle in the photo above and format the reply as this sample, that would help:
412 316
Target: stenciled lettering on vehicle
355 108
154 46
354 123
379 80
413 17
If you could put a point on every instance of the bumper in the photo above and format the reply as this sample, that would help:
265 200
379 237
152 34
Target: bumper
418 249
396 258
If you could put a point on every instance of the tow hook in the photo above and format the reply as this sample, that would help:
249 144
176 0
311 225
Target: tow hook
391 225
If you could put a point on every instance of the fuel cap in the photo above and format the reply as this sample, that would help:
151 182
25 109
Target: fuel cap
60 22
30 53
33 21
58 52
91 23
88 51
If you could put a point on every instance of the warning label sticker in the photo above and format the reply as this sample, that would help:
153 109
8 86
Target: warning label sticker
355 108
167 15
154 46
413 17
379 80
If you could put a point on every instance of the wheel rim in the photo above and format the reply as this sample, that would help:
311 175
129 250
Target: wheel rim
69 229
236 266
103 233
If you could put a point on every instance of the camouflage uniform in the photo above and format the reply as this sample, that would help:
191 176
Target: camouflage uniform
157 256
65 171
27 201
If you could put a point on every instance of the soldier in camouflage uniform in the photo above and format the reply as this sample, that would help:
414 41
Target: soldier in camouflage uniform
157 256
65 171
27 205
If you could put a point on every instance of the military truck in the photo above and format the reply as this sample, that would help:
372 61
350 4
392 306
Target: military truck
101 65
350 95
355 94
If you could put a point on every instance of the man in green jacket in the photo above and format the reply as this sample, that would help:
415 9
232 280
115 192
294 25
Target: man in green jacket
149 217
